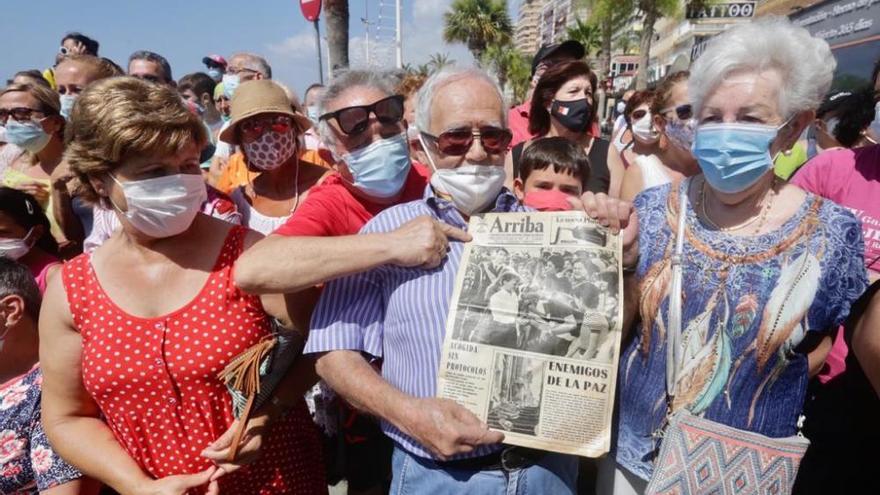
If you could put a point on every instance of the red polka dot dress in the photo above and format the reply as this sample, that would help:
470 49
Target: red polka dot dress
155 380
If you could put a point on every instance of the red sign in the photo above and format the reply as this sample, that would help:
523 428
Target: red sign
311 9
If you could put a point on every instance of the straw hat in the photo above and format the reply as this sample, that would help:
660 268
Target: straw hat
258 97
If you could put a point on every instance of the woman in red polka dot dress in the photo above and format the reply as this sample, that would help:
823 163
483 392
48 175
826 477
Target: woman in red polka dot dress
134 335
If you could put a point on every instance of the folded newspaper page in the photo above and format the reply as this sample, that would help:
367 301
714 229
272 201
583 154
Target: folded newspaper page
533 337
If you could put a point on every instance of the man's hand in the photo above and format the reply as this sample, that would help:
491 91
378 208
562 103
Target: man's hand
446 428
61 176
181 484
249 450
38 190
617 215
423 242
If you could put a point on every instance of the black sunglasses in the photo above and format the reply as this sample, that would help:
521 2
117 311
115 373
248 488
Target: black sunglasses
457 142
354 120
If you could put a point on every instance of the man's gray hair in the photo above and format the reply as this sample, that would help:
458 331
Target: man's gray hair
156 59
345 80
17 280
449 76
805 63
255 62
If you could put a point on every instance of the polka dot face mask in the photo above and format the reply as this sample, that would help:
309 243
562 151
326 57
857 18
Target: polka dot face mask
271 150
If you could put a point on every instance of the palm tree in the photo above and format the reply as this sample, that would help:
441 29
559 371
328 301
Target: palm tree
510 67
609 16
651 10
589 35
439 61
477 23
336 20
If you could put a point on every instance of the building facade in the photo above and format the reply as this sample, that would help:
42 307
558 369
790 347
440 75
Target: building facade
527 33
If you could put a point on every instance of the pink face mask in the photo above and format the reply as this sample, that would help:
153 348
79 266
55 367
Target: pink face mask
547 200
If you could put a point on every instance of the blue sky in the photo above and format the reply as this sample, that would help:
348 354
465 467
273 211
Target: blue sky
185 31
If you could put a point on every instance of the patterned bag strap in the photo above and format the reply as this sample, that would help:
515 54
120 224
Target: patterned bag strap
673 335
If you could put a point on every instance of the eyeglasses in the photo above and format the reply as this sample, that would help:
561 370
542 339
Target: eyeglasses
683 112
19 114
239 70
457 142
255 127
354 120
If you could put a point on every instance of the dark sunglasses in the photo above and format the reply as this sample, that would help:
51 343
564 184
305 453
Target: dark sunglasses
354 120
683 112
19 114
254 128
638 114
457 142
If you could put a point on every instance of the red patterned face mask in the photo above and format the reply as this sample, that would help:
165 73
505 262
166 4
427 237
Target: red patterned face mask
270 151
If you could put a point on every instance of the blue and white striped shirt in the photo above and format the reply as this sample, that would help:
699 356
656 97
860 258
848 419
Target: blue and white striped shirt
397 313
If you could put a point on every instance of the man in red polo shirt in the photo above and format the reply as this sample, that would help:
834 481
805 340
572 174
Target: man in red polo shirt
547 56
361 122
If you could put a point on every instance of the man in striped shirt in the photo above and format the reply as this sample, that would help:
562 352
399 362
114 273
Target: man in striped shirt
399 313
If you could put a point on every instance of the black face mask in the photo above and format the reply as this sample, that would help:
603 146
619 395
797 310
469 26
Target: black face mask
574 115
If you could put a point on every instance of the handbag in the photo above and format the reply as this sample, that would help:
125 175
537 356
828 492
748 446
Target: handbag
700 456
252 377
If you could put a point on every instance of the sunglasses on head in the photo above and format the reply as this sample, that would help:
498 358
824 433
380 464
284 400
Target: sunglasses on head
254 128
683 112
457 142
354 120
19 114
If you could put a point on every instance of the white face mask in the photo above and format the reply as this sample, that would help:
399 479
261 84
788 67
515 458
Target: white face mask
14 249
644 130
163 206
471 187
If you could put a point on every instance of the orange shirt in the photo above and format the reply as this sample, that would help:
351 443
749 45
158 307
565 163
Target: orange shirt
236 173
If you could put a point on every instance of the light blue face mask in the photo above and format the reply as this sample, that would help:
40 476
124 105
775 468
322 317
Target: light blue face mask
380 169
734 156
67 102
26 135
312 112
215 74
230 84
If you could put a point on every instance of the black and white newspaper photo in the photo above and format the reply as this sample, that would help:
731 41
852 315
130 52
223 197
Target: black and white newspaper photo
534 330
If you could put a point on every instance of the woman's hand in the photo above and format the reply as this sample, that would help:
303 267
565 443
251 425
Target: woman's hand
38 190
181 484
249 450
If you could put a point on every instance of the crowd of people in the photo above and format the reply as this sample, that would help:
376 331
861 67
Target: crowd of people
153 230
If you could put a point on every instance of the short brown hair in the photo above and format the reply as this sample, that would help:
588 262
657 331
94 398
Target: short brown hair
99 68
548 85
638 99
410 84
557 152
124 116
50 103
664 91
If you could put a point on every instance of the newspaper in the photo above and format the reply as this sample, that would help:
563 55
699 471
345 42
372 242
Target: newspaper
533 336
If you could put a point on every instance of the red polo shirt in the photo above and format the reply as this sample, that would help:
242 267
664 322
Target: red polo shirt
332 210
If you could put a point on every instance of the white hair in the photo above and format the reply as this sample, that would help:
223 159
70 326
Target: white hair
255 62
448 76
804 63
345 80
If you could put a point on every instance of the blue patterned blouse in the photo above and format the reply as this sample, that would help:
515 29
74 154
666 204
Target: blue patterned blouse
27 462
747 303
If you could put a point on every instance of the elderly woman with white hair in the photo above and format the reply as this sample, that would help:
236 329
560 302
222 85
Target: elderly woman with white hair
741 278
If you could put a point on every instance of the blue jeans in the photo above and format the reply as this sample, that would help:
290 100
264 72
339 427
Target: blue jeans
555 474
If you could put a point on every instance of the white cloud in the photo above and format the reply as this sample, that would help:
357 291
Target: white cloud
298 46
423 34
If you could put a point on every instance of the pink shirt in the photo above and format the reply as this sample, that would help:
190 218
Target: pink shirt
850 178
